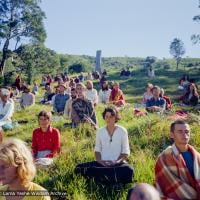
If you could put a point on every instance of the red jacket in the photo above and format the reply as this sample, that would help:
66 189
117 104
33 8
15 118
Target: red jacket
49 140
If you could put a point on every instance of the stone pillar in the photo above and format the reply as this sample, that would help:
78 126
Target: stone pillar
98 66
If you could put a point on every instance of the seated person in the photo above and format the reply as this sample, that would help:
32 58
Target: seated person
68 105
143 191
117 96
82 108
45 139
91 93
60 100
191 97
166 98
122 73
104 73
111 152
48 94
148 94
18 171
35 88
27 98
156 103
104 93
178 166
6 107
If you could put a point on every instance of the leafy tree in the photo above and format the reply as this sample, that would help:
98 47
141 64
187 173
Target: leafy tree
196 37
177 50
20 19
77 68
37 60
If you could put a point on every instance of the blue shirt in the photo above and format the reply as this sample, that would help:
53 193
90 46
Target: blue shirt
189 160
160 102
59 103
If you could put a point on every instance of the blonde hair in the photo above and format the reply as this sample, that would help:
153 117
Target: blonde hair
81 85
15 153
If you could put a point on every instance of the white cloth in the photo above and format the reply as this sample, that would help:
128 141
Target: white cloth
68 109
146 97
111 148
6 111
92 95
104 96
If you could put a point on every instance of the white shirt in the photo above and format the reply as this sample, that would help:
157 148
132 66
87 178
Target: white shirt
68 108
104 96
7 110
111 148
92 95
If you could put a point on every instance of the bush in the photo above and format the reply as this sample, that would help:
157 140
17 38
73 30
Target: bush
77 68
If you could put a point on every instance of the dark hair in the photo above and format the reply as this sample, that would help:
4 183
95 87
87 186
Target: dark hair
129 193
113 111
106 87
173 124
44 113
156 87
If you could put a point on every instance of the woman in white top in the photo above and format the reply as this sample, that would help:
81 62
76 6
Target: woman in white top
104 93
111 152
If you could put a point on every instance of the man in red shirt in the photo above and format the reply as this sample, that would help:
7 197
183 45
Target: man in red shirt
45 139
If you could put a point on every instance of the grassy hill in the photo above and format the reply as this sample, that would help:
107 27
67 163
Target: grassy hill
148 136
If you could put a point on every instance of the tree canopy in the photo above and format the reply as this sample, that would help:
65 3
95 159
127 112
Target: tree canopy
177 50
20 20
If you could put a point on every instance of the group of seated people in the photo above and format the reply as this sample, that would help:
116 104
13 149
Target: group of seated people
154 99
125 72
176 169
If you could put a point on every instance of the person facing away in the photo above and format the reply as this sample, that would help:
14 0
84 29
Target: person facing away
156 103
111 153
177 168
27 98
17 171
45 139
143 191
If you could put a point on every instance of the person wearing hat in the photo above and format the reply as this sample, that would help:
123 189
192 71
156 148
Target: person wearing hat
28 98
60 100
6 107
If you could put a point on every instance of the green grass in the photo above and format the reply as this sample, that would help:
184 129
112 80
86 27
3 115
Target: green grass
148 136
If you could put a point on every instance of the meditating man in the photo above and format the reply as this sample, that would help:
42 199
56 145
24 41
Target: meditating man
177 169
111 152
156 103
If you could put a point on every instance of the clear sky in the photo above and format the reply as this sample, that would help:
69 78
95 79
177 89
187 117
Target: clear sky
136 28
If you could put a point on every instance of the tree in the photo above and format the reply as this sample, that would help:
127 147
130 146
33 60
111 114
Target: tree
37 60
77 68
177 50
20 19
196 37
